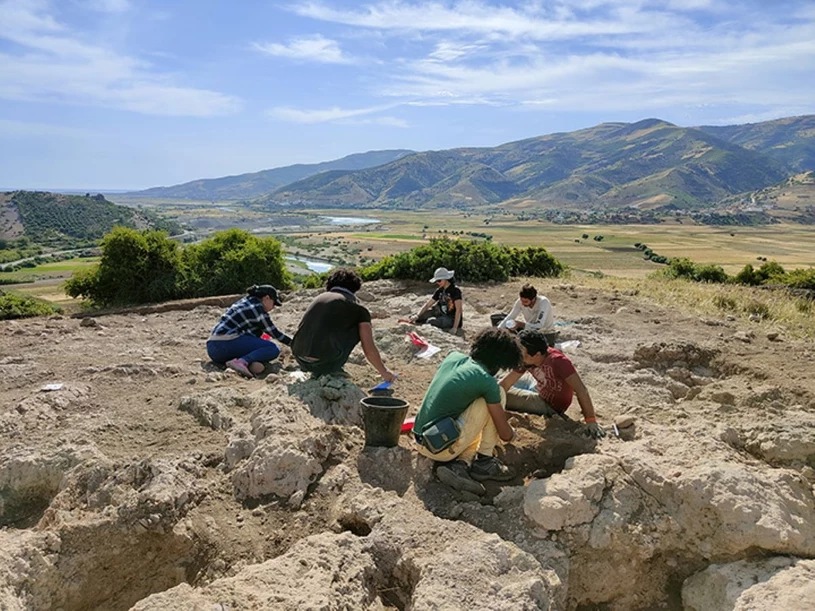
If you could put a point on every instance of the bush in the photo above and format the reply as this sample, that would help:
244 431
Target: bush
230 261
136 267
148 267
17 306
801 279
681 267
315 281
472 261
710 273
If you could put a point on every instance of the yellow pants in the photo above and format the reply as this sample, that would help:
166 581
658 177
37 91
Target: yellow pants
478 434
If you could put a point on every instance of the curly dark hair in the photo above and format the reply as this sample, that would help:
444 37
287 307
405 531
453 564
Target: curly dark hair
528 291
496 349
344 278
534 341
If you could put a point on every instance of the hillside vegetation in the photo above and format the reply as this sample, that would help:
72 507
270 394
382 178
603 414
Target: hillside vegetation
650 163
255 184
61 220
790 140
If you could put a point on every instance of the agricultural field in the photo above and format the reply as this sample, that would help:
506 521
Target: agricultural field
732 247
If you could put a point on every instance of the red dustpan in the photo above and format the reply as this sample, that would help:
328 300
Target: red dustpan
407 425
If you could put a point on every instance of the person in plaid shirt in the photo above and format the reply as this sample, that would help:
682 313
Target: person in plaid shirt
236 339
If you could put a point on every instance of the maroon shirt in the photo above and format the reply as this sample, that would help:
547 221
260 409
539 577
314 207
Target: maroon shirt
551 378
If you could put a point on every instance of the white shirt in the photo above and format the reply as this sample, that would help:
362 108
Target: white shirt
540 316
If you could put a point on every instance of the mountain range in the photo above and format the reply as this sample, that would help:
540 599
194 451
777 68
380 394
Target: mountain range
256 184
648 164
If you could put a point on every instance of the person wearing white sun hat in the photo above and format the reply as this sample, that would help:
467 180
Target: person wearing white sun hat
445 308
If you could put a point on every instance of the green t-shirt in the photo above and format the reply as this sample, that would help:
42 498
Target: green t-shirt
458 382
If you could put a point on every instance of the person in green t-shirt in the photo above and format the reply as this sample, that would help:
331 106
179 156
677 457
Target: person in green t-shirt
465 388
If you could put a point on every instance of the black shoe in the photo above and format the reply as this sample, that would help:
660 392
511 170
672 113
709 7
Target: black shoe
490 468
455 475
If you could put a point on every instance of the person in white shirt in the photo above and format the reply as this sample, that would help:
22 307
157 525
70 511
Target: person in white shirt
536 310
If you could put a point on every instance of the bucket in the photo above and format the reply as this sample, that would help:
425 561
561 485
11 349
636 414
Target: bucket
551 338
383 418
497 318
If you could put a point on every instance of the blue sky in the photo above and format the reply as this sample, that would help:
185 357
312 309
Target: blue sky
116 94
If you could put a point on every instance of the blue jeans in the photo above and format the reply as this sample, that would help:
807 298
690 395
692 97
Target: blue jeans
247 347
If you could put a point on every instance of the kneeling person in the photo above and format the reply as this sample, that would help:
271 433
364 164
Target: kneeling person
464 388
556 381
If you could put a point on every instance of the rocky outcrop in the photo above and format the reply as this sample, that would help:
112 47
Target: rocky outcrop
775 583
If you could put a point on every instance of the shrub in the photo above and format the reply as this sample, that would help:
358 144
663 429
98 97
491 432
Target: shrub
136 267
18 306
472 261
681 267
315 281
230 261
801 279
710 273
747 276
146 266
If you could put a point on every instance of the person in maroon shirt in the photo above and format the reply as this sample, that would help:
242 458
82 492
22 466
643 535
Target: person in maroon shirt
556 382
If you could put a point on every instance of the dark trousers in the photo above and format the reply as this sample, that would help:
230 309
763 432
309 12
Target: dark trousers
435 318
321 366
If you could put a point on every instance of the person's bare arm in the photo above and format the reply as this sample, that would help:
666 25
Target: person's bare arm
459 303
583 397
499 418
428 304
366 338
509 379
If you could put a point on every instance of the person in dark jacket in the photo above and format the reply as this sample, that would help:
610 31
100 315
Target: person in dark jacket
236 339
333 325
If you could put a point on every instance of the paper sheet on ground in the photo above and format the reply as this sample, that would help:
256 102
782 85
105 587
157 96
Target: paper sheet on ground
426 353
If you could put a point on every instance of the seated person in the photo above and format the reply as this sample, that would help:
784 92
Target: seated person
333 325
445 308
236 340
536 310
556 382
464 387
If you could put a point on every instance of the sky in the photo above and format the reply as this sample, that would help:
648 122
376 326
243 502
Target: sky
126 94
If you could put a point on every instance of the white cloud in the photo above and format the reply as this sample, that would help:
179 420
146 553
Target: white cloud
57 66
310 48
28 129
531 21
110 6
331 115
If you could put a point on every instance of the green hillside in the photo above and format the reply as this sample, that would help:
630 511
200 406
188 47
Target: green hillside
790 140
256 184
650 163
54 218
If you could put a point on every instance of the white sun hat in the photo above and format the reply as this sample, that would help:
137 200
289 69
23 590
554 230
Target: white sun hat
442 273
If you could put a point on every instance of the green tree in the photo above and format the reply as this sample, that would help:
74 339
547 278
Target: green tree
136 267
230 261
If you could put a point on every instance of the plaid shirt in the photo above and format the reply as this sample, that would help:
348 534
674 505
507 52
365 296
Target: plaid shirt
247 316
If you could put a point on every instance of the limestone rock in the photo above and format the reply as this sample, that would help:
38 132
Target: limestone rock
568 498
775 583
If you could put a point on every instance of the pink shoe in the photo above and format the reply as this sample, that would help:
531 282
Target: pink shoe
241 367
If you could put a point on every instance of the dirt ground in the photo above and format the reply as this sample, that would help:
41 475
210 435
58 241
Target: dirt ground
119 410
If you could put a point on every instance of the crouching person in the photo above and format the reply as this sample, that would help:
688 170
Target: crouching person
555 382
236 339
333 325
462 416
